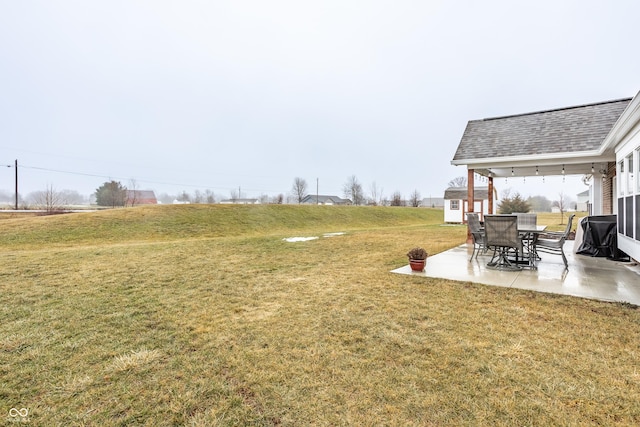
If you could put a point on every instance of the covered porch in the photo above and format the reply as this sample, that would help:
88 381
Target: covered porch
586 277
560 142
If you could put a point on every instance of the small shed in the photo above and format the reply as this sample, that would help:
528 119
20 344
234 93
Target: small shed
456 205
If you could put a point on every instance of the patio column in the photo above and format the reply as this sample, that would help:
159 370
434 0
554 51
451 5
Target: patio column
471 200
596 197
490 190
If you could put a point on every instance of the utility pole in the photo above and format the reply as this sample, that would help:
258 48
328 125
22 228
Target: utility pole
16 184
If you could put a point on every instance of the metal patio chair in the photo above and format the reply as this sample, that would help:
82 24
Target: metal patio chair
527 220
501 233
553 242
479 243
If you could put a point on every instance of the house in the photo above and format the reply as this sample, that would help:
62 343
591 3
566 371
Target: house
312 199
582 201
140 197
433 202
624 140
456 206
240 202
600 141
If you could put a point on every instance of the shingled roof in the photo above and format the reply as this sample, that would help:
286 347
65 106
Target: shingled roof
564 130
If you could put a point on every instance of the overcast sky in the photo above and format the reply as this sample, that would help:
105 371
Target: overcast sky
221 95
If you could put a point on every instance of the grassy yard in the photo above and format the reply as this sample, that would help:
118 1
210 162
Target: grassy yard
202 315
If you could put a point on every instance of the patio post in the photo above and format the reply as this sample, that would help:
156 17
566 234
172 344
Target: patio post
490 190
597 196
471 200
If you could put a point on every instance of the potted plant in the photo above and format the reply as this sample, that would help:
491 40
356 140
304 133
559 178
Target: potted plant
417 258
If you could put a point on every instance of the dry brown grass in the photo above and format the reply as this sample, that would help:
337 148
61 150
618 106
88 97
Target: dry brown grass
251 330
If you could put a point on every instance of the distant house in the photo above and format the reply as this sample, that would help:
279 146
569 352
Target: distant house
456 206
240 202
582 202
141 197
313 199
432 202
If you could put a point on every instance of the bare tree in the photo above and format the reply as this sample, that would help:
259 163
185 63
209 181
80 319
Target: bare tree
352 189
49 200
415 199
72 197
396 199
459 181
234 195
375 194
198 197
278 199
209 196
299 189
562 203
164 198
132 193
184 197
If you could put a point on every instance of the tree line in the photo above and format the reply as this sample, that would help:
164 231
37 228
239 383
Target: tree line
114 194
353 191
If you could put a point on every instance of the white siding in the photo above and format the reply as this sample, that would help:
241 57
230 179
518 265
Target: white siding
628 158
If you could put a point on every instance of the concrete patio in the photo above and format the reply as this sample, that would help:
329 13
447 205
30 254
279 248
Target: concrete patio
586 277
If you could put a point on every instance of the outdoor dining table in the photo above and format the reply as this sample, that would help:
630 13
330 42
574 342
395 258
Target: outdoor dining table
528 233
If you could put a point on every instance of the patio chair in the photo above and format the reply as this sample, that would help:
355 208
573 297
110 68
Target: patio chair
527 220
553 242
501 233
479 244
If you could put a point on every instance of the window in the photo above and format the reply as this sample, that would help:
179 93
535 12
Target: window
621 184
637 172
454 205
630 171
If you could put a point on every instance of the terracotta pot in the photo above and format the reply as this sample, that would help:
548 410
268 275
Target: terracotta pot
417 264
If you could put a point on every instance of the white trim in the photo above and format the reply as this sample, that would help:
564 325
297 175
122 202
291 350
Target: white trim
574 157
627 120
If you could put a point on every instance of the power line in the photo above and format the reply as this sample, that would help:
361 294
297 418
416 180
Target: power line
111 177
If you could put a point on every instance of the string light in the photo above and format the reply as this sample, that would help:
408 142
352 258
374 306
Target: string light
512 172
592 169
537 170
562 169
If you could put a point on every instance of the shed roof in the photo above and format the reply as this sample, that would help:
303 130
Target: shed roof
141 194
461 193
564 130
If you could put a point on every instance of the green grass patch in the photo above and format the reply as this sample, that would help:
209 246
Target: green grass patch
203 315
